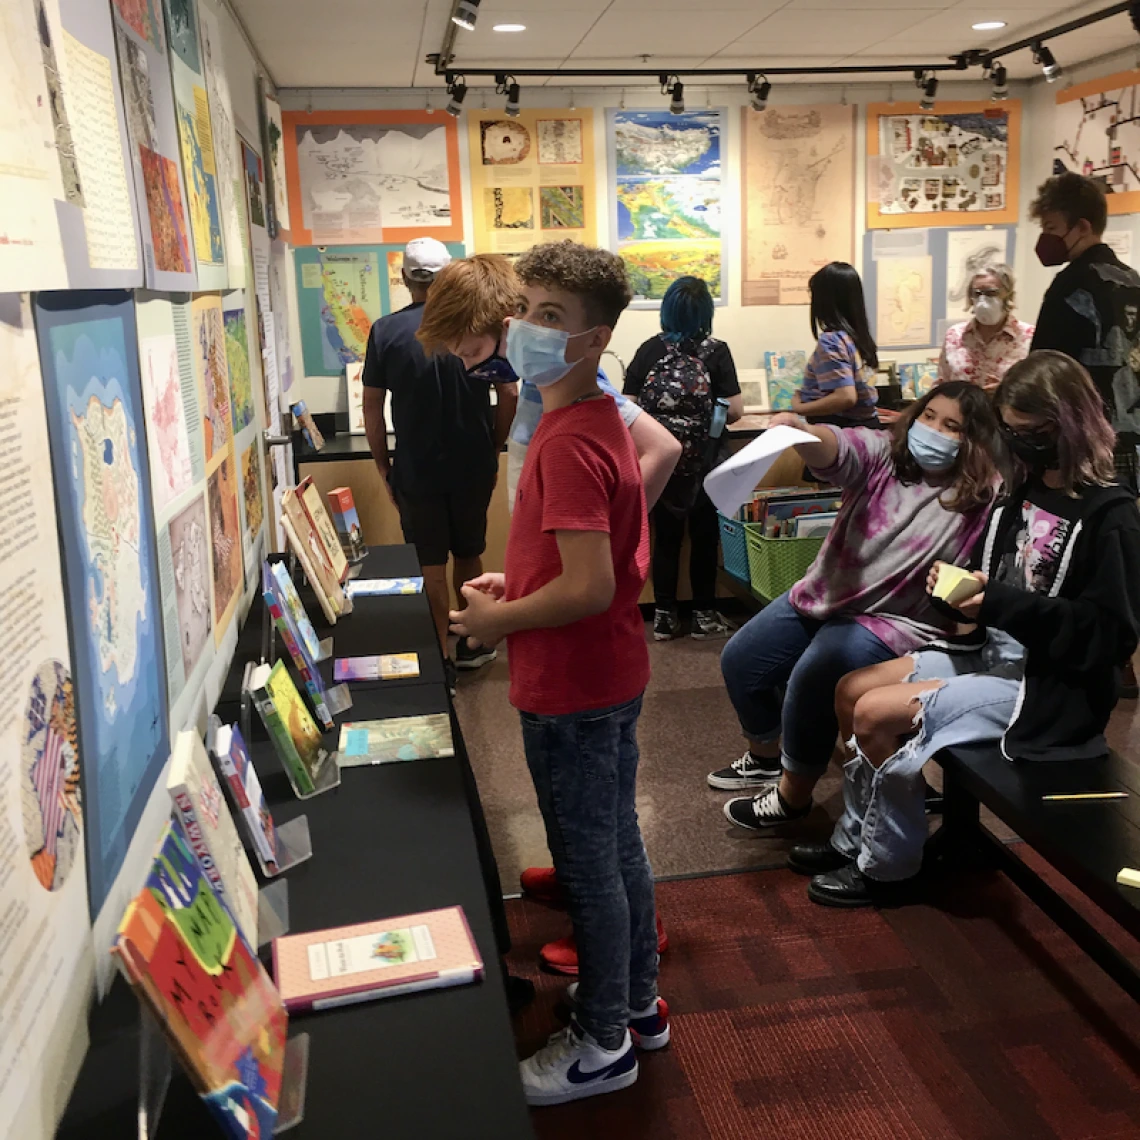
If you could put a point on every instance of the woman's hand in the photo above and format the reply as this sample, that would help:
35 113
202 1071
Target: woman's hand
788 419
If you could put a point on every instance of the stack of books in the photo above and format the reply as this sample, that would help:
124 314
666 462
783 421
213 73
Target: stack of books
792 512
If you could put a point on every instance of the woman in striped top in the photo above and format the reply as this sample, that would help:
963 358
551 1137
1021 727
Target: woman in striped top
837 388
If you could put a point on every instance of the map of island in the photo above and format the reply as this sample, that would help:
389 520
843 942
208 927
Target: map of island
191 581
171 470
656 209
95 419
657 142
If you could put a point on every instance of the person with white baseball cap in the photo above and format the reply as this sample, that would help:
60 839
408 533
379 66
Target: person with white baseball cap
448 439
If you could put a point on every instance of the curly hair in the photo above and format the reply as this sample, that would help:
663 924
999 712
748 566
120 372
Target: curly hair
975 474
470 296
1053 385
596 276
1074 196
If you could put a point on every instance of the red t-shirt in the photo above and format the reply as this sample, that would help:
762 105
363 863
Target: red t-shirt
581 473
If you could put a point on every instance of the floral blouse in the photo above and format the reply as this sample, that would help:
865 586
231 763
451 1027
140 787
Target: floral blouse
965 356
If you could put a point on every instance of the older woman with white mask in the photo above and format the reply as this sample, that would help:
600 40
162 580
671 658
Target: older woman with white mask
982 349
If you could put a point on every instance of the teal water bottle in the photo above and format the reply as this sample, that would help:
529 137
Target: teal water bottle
719 418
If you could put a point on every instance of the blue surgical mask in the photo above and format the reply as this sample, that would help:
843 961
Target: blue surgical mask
538 354
932 451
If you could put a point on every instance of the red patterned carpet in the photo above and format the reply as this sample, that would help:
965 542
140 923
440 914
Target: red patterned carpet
971 1016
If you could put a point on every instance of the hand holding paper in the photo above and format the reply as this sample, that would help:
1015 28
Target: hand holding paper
955 585
731 484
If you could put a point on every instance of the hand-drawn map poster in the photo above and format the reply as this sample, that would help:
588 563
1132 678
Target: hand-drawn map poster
1097 134
798 194
364 177
532 178
955 166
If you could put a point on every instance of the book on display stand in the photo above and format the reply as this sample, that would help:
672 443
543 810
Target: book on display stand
310 551
278 849
310 766
314 507
347 524
206 999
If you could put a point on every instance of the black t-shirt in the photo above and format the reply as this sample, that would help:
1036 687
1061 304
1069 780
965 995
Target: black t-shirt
718 360
442 418
1034 547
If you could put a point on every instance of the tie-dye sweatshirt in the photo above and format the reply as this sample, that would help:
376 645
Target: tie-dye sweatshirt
875 561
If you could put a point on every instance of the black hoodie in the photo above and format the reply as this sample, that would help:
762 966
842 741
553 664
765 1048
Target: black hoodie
1076 635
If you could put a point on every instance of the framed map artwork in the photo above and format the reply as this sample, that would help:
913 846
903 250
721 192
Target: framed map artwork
372 176
957 165
666 198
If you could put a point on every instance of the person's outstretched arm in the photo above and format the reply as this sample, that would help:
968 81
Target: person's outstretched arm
657 452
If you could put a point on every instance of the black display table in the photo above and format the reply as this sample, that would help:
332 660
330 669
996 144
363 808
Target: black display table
388 841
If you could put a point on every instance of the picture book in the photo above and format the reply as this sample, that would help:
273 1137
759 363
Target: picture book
383 667
325 968
347 524
785 376
354 382
292 600
209 828
813 525
426 737
290 727
295 644
916 380
315 508
310 552
310 431
232 758
383 587
186 960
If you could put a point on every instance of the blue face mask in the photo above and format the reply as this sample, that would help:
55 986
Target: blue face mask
494 370
932 451
538 354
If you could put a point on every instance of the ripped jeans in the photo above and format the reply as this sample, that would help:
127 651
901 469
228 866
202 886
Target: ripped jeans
883 826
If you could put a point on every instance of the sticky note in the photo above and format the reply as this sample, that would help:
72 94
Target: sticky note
356 742
1128 877
955 585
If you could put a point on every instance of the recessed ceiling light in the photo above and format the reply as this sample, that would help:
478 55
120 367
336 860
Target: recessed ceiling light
988 26
509 28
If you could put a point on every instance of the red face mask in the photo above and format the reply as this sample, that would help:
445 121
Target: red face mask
1052 249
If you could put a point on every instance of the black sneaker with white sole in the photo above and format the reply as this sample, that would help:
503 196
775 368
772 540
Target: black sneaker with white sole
747 772
708 625
468 658
768 809
449 675
666 625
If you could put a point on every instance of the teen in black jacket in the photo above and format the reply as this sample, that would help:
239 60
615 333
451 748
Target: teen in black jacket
1057 604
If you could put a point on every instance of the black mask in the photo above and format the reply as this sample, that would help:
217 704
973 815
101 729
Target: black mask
1039 451
493 370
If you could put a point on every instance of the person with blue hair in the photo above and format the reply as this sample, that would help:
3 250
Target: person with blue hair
679 377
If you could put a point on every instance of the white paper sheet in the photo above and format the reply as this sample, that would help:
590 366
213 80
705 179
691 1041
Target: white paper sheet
731 484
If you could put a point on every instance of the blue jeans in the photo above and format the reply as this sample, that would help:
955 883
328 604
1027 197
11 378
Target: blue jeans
781 649
584 767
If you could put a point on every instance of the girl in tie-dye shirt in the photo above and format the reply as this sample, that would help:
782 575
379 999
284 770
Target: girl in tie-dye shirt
910 497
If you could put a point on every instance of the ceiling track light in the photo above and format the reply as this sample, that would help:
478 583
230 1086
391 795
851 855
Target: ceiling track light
457 92
758 91
929 87
672 86
465 14
507 85
1000 81
1043 57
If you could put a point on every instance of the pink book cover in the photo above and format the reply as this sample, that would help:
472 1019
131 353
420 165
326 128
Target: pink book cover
325 968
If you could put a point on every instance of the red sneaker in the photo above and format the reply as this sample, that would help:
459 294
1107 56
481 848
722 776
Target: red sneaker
541 884
562 956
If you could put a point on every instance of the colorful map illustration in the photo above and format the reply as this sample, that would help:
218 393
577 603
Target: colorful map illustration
201 183
95 408
350 283
212 373
509 207
225 540
171 468
237 364
145 16
649 143
559 141
563 207
191 558
655 209
49 785
251 489
166 213
654 266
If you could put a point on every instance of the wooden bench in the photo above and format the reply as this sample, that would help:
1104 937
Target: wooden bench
1088 842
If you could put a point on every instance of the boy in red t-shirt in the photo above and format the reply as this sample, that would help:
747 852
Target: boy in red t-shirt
576 563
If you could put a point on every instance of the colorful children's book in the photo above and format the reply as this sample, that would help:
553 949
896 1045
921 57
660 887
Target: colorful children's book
209 827
315 508
383 587
232 758
295 644
311 553
308 425
288 594
186 960
347 964
916 380
785 376
383 667
390 741
347 524
290 727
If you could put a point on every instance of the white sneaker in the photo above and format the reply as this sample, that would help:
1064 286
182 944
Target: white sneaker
572 1065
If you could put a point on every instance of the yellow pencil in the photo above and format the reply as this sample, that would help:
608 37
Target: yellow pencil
1089 796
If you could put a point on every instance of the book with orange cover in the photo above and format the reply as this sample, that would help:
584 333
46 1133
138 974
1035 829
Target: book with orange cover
347 964
323 526
186 960
310 550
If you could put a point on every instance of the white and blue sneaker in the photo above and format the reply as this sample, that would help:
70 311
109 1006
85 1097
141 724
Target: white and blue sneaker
572 1066
649 1028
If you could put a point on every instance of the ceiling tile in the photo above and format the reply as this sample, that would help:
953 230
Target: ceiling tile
629 34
